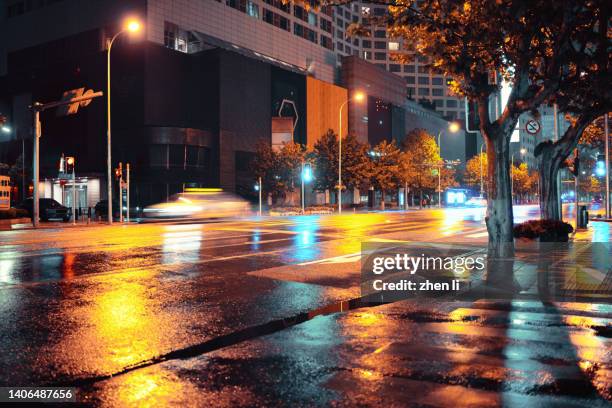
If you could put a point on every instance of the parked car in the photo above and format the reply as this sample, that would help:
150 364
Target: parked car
49 209
101 209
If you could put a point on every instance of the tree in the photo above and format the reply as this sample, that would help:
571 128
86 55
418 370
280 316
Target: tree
594 134
419 158
279 170
521 181
589 185
354 162
384 170
583 93
531 44
291 156
475 169
325 152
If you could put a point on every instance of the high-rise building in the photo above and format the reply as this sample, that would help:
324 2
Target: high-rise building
535 129
422 82
203 82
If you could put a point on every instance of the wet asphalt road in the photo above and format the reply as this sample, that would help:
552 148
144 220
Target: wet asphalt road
212 314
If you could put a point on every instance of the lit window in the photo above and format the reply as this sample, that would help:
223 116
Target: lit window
393 46
252 9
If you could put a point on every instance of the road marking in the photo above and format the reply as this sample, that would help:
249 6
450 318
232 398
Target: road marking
354 257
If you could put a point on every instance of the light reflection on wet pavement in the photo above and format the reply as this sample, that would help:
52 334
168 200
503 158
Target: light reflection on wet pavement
94 301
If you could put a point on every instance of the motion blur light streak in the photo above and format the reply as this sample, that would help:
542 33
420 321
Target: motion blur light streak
6 267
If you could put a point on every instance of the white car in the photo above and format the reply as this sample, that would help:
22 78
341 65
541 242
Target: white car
199 203
476 202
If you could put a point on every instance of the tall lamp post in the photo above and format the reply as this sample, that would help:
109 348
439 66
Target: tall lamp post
357 97
453 128
132 26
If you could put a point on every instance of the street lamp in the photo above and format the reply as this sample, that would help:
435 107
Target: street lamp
453 127
131 26
358 96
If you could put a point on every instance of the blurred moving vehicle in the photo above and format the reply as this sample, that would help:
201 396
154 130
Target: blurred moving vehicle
48 207
101 210
199 203
476 202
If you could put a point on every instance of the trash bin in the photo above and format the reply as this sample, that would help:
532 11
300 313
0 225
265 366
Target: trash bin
583 216
371 198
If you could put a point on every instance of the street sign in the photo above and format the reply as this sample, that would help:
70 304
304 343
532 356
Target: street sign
532 126
72 108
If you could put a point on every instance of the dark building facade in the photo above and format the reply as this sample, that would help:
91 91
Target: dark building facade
180 120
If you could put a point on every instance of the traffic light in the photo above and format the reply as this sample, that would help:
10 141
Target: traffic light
119 172
69 164
307 173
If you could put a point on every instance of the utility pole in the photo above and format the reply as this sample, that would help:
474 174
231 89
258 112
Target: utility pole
607 147
302 178
576 173
259 182
120 192
73 193
35 162
23 187
128 190
38 107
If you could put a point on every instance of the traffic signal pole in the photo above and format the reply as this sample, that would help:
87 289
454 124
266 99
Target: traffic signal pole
35 165
120 193
73 195
38 107
607 156
127 187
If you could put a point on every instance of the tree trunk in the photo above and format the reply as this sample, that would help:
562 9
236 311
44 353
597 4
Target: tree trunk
382 200
548 170
421 199
499 217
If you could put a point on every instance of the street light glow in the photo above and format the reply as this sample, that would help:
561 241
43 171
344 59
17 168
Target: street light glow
523 150
307 173
133 26
454 127
6 129
359 96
